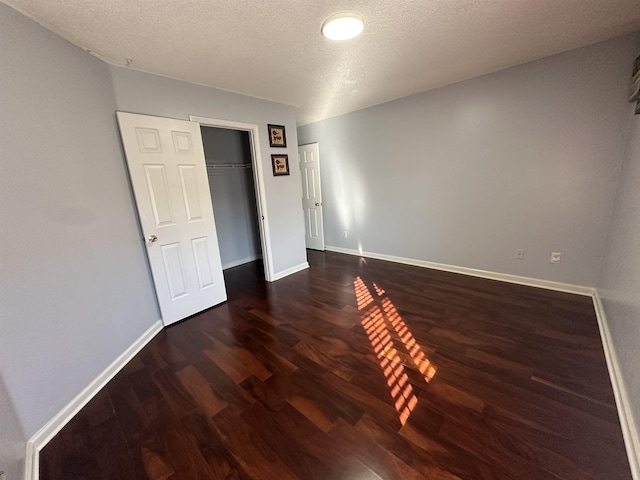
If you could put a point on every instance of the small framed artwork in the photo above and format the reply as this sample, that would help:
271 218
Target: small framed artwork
280 164
277 136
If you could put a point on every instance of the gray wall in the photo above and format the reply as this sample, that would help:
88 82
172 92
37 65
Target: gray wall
222 145
75 292
464 175
12 438
233 195
149 94
620 282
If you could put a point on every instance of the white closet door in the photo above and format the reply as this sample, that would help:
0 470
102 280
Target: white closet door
169 178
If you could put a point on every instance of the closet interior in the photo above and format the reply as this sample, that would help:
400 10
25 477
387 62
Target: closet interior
230 171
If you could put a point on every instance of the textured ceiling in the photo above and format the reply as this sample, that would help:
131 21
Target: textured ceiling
273 49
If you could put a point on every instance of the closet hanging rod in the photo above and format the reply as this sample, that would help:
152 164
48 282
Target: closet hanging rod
229 165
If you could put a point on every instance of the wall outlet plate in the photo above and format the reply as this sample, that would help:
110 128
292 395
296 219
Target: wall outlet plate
519 254
555 257
345 233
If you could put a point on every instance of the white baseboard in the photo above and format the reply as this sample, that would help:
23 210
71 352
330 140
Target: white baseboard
242 261
627 420
502 277
290 271
36 443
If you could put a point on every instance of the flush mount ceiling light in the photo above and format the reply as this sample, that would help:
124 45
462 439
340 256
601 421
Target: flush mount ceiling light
343 26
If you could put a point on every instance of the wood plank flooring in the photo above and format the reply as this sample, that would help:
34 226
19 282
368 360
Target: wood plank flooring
358 369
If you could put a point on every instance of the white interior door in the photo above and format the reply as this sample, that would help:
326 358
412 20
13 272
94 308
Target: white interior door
169 178
311 196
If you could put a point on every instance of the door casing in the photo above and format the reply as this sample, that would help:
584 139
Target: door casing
258 180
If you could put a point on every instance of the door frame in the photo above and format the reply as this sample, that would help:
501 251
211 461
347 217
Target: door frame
258 181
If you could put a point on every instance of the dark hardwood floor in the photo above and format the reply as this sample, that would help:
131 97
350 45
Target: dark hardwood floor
358 369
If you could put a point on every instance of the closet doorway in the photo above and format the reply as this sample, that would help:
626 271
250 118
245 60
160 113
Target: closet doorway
235 180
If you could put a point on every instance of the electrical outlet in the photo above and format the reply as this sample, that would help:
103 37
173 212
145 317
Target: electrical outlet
519 254
555 257
345 234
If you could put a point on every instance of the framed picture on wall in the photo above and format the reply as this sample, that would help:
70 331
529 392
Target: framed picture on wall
277 136
280 165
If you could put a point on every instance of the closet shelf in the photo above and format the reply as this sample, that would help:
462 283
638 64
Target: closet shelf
228 165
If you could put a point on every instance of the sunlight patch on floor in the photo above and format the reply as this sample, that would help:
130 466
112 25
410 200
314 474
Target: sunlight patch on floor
379 316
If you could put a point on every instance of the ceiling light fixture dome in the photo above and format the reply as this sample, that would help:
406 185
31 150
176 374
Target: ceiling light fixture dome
343 26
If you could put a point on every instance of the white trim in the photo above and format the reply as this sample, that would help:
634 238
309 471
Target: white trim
242 261
627 421
32 463
291 271
502 277
38 441
258 179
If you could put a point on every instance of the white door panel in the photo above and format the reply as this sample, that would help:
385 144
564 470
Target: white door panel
311 195
169 179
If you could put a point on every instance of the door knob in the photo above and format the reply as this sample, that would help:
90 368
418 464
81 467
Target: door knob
318 204
153 238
